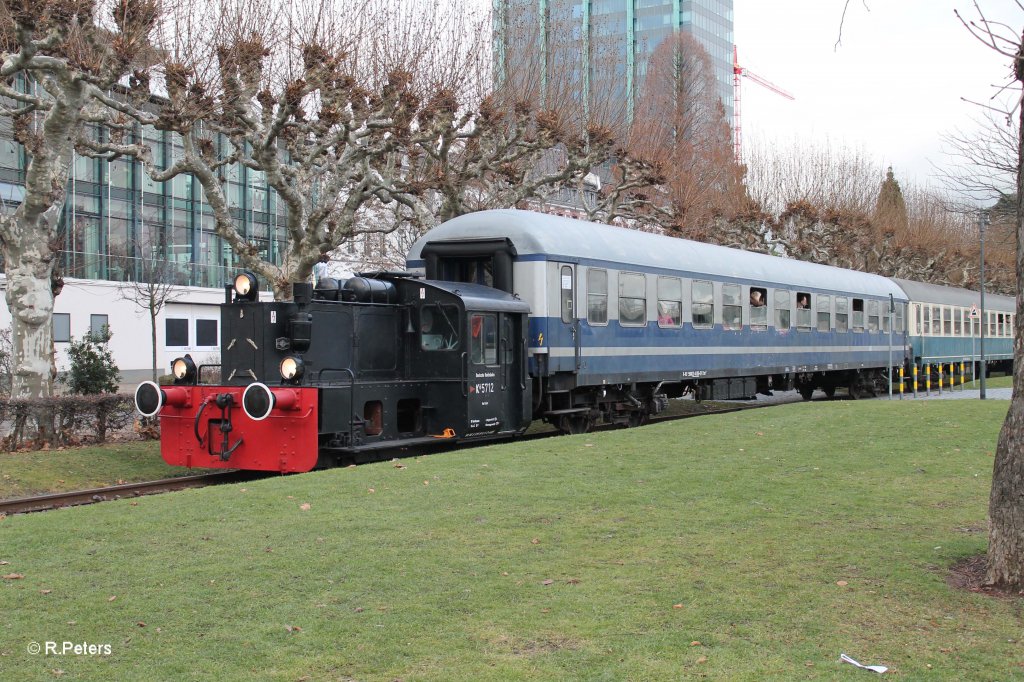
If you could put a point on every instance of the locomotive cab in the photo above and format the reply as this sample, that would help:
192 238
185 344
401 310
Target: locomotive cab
346 372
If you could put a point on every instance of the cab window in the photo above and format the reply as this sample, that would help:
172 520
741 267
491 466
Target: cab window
483 330
439 327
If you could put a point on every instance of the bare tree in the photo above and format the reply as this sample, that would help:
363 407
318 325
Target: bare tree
1006 513
57 56
680 129
154 284
353 112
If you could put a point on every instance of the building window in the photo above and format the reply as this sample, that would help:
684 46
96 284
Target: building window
632 299
62 327
597 296
98 326
177 332
206 333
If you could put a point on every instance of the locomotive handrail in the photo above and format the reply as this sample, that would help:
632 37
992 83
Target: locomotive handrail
351 388
464 369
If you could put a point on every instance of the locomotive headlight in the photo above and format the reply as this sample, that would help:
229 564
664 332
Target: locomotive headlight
246 286
184 370
291 368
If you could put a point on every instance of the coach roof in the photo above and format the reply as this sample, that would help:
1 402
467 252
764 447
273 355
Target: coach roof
558 238
919 292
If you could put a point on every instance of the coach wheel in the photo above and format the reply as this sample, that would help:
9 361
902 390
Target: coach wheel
806 392
855 392
574 424
830 391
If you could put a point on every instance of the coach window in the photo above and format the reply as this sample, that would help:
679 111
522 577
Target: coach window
732 306
886 319
783 309
947 321
824 313
439 327
842 314
670 301
958 329
702 307
999 324
872 315
858 314
803 311
758 308
484 341
926 316
632 299
597 296
900 308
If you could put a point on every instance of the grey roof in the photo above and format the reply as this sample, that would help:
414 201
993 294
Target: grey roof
934 293
565 238
477 297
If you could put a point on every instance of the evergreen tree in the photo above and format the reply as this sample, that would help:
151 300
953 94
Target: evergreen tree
891 209
92 365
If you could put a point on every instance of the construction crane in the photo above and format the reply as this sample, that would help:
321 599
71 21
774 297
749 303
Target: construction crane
737 72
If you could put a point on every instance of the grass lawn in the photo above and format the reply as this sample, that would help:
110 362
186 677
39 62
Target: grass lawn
750 546
23 474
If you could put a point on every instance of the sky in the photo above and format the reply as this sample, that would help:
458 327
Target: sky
891 88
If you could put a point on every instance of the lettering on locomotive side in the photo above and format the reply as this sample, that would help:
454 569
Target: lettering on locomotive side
695 374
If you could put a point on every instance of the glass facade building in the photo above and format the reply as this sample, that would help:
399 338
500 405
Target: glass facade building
604 45
120 225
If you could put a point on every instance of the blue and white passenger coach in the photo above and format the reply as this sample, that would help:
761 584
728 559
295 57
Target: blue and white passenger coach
622 320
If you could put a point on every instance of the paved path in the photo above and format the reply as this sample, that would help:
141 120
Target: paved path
969 394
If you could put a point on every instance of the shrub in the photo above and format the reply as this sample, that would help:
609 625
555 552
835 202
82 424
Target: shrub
78 419
92 365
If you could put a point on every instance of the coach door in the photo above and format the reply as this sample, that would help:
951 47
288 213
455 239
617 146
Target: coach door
494 384
567 299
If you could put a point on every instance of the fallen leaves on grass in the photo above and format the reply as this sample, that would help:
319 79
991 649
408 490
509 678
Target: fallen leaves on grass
535 541
293 628
305 506
5 563
548 582
398 465
45 591
842 583
141 624
13 576
112 597
695 643
702 659
677 606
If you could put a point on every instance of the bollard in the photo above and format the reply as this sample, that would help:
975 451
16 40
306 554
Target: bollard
962 373
927 379
915 379
901 383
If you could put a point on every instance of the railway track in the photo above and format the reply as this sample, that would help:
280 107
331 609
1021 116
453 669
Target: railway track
130 490
117 492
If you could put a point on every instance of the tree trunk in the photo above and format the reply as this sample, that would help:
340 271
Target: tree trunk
1006 501
152 339
30 301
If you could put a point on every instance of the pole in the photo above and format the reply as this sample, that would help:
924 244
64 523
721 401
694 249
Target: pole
982 221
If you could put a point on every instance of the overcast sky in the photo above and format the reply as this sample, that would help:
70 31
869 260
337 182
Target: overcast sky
893 86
